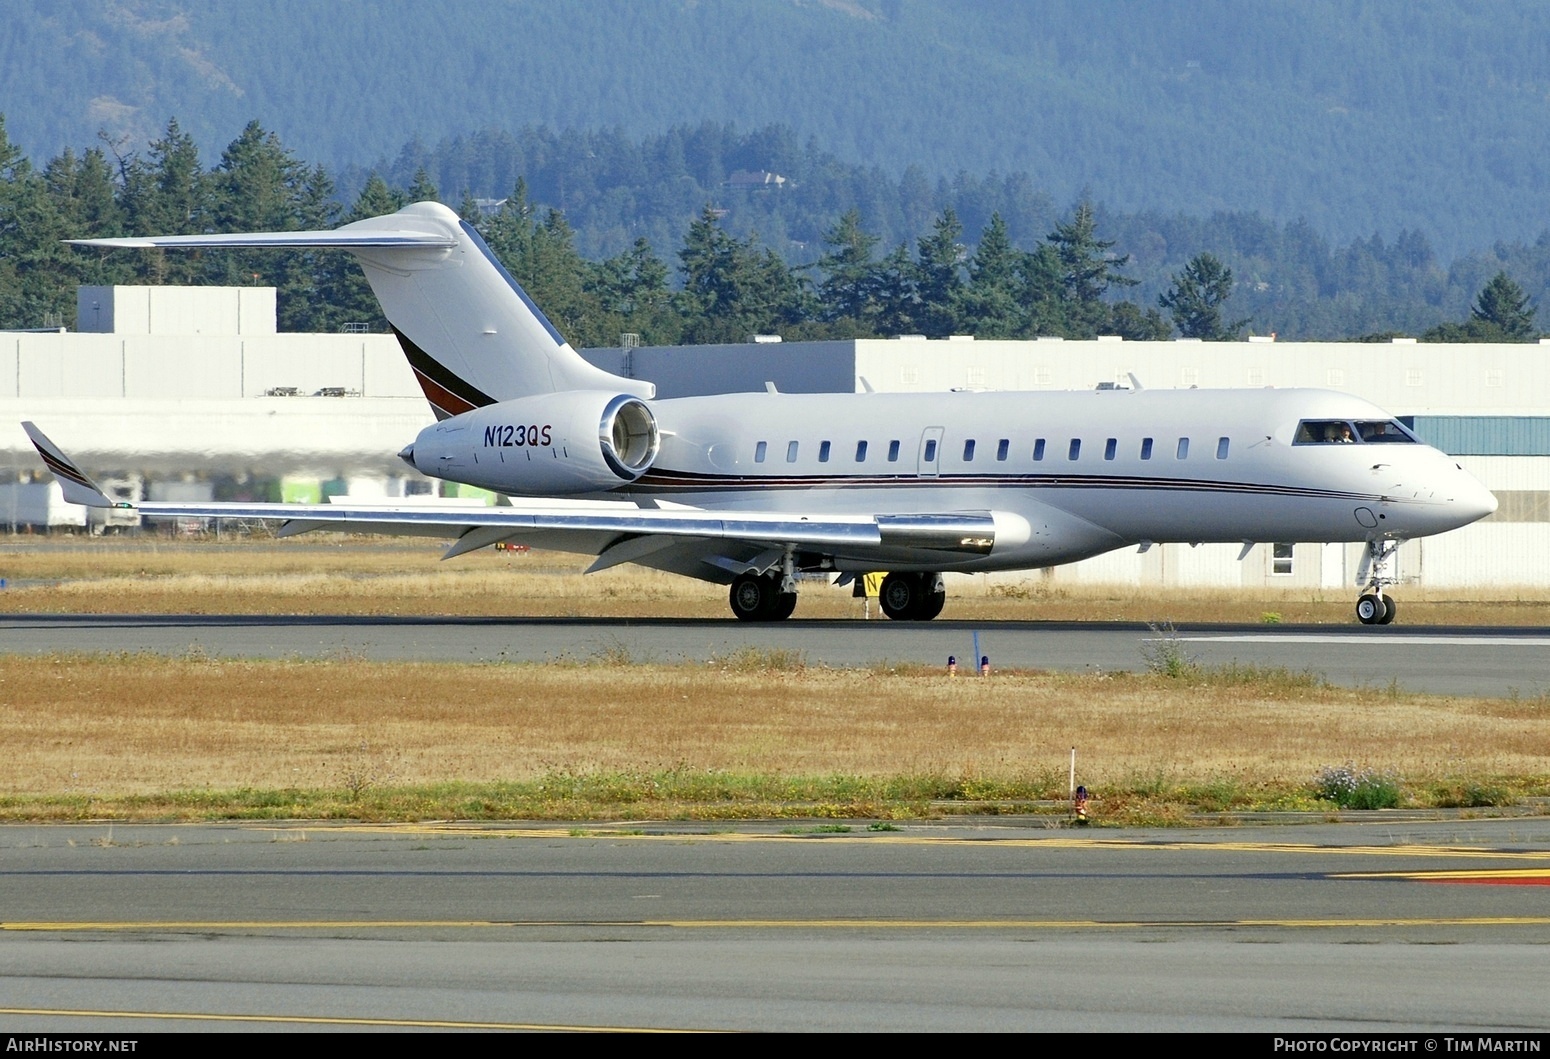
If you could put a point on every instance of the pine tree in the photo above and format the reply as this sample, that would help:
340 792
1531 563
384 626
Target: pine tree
990 306
422 189
342 294
1501 314
1087 272
939 277
1195 299
1504 305
734 289
168 194
848 289
632 288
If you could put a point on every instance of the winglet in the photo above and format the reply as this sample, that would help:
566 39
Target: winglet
78 488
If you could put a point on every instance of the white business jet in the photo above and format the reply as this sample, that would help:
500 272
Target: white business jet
752 489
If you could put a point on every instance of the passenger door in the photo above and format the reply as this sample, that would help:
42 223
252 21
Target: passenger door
930 458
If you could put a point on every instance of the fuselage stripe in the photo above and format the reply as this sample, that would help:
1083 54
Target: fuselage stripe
447 393
668 481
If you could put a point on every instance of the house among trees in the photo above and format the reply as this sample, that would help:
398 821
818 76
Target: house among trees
755 179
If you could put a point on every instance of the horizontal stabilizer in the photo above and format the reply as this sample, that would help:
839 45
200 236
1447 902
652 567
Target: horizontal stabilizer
342 239
78 488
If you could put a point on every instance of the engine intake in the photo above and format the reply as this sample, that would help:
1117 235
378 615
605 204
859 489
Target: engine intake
629 437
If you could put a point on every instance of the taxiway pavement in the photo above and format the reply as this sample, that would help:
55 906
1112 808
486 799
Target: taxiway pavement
1439 660
1431 928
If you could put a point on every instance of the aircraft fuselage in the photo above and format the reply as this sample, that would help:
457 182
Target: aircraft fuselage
1066 475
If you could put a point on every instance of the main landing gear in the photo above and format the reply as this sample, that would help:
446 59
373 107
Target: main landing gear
1374 606
912 597
759 597
772 596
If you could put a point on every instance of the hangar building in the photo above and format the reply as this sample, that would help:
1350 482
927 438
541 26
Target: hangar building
191 393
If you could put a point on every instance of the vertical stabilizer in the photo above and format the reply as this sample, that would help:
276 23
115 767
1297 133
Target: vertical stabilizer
471 333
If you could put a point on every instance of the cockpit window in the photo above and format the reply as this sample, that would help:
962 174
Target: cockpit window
1381 431
1348 432
1324 432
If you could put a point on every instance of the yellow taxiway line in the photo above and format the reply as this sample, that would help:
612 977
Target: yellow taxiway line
208 925
892 838
1424 876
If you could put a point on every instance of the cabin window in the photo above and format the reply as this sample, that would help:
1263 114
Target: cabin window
893 452
1280 560
759 451
1038 449
1221 448
968 451
860 452
1183 452
1110 448
1146 448
791 452
823 452
930 453
1075 450
1003 449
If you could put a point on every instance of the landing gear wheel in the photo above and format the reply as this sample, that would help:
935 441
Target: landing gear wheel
1370 609
900 596
785 603
1389 608
755 598
911 597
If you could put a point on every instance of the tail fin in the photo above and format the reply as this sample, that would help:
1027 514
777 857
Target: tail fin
471 333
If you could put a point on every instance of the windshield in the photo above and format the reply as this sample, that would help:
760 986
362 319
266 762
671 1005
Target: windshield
1384 430
1352 432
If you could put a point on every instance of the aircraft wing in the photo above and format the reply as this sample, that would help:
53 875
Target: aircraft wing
683 539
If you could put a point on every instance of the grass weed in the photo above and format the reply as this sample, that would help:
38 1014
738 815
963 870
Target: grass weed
145 736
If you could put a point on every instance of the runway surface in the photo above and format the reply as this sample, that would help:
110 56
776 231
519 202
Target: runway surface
1438 660
1432 928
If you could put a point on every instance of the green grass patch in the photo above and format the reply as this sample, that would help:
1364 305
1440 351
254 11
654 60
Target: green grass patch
686 794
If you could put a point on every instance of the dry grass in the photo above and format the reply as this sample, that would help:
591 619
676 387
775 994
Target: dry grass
115 736
356 575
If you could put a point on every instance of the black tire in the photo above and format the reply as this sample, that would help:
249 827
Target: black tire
1370 609
785 603
900 596
1390 608
908 597
750 597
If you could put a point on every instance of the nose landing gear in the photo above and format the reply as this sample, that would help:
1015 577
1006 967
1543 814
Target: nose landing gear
1374 607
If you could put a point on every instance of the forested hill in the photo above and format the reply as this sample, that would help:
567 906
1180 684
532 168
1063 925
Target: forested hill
1421 115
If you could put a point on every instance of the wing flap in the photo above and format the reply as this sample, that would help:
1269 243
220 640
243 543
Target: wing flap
854 530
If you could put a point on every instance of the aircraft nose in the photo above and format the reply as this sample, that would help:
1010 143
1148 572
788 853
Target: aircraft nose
1470 500
1478 503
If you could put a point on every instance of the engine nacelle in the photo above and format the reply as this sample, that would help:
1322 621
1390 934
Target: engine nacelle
556 444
